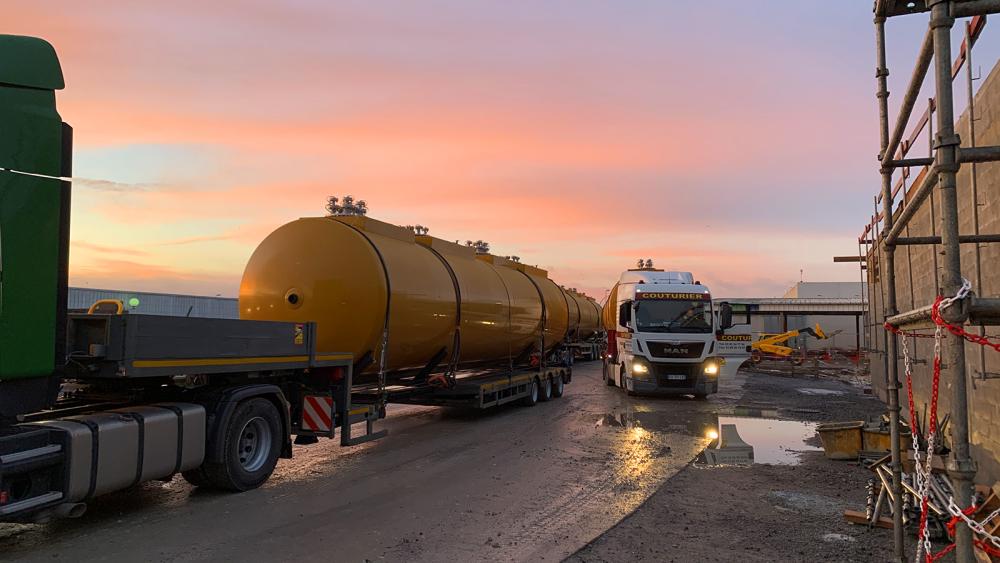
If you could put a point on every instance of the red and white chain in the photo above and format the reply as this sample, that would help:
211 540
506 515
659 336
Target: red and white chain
923 465
978 527
923 473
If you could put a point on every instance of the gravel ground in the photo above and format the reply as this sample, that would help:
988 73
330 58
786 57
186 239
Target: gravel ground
760 512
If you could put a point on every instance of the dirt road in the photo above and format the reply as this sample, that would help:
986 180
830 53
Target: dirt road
517 484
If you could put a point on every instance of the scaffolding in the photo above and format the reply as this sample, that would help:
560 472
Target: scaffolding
889 229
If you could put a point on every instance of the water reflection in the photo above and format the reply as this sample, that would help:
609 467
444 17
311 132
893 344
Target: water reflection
743 440
739 436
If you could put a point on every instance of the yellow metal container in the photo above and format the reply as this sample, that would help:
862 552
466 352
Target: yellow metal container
878 440
609 313
841 440
556 311
525 305
355 277
590 315
572 314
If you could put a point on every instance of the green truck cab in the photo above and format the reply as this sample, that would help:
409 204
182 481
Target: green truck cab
35 152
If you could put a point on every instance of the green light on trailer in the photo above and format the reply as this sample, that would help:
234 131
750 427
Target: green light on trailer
133 302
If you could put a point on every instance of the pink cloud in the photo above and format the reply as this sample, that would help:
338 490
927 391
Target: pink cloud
575 144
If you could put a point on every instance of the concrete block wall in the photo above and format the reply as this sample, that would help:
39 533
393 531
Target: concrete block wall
917 279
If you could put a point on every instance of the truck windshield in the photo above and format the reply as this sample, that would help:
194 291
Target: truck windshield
673 316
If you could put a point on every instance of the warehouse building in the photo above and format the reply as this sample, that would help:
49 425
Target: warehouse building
81 298
838 307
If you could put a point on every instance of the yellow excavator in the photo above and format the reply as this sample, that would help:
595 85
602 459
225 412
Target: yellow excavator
771 346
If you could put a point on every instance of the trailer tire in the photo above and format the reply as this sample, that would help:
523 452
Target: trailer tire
558 386
532 398
545 391
251 446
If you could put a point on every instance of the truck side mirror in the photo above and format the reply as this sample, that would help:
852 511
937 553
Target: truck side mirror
625 314
725 315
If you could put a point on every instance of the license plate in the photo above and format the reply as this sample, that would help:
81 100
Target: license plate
676 376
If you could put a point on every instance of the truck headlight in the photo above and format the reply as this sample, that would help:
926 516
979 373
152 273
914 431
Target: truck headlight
639 367
712 369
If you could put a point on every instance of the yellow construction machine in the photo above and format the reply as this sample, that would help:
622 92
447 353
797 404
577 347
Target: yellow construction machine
771 346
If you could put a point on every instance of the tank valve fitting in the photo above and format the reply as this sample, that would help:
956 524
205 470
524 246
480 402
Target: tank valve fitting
482 247
346 206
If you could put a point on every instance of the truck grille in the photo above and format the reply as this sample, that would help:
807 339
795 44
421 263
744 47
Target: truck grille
669 350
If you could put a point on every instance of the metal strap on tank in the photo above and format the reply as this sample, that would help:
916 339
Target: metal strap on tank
388 302
138 418
180 434
94 452
566 298
545 320
510 320
456 345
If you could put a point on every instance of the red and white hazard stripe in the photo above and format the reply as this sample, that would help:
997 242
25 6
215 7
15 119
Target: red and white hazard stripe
317 413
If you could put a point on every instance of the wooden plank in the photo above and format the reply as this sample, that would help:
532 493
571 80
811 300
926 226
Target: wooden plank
858 517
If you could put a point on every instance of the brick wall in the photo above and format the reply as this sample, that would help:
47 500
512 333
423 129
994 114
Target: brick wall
917 279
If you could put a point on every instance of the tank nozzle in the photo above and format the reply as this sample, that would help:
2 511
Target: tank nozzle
346 206
332 206
481 246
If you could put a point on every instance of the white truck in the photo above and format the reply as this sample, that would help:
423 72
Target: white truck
664 336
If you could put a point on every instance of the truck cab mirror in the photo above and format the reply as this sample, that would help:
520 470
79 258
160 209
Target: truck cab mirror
725 315
625 314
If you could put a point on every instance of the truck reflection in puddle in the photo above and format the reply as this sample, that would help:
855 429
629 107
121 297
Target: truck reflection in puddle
744 440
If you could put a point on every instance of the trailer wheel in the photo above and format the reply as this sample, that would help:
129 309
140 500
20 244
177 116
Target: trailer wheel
545 393
532 398
558 385
251 446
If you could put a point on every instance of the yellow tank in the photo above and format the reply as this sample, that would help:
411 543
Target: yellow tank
572 315
590 315
354 276
609 313
554 301
525 305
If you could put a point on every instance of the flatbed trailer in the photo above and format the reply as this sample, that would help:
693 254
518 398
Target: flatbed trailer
482 389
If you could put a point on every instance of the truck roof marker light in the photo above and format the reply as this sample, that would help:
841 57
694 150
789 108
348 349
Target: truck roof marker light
133 302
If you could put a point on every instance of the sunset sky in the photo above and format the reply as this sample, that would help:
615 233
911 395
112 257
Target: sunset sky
736 140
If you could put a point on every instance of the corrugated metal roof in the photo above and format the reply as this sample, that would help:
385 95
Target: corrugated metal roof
168 304
825 305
